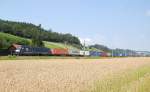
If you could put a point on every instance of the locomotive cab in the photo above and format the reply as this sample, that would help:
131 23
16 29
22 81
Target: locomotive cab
15 49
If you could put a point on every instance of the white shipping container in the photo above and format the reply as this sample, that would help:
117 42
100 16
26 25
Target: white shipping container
109 54
81 53
74 52
84 53
87 53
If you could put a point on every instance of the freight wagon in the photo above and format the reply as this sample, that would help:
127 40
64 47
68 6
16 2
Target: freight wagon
84 53
104 54
74 52
59 52
95 53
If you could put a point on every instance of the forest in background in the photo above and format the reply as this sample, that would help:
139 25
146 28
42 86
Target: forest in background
29 30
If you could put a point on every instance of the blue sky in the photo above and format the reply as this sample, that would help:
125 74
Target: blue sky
115 23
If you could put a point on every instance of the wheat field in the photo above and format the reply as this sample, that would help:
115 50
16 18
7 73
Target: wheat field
75 75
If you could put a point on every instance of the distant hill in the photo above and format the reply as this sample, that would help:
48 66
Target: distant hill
100 47
29 30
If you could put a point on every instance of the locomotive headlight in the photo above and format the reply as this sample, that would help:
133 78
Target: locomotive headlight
17 50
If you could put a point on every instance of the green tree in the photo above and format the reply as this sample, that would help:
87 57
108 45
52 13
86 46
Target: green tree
37 38
27 30
3 43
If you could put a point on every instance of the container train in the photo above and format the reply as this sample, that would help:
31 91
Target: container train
28 50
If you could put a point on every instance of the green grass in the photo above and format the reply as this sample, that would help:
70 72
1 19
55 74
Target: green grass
130 81
8 39
58 45
9 57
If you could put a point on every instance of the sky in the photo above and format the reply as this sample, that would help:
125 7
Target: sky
114 23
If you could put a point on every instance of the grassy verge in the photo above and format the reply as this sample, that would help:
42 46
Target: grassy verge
47 57
130 81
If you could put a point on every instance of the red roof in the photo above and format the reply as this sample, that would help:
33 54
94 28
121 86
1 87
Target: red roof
16 45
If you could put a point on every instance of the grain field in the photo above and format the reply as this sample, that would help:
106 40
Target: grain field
75 75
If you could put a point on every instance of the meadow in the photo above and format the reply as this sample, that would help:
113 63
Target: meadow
75 75
7 40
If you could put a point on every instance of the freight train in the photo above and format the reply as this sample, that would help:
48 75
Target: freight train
28 50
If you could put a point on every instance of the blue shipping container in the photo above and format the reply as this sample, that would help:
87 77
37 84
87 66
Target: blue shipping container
95 53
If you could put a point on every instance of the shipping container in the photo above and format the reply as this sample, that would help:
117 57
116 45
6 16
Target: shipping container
84 53
104 54
87 53
59 51
95 53
74 52
109 54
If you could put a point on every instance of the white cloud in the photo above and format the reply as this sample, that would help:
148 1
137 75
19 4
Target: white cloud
148 13
86 40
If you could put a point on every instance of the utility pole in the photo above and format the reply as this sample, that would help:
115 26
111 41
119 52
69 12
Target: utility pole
126 53
66 44
112 52
84 47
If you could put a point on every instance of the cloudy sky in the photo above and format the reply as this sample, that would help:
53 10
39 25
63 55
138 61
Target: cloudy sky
115 23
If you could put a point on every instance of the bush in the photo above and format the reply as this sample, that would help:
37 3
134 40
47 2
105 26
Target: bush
12 56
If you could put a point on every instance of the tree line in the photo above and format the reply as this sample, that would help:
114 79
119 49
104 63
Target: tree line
100 47
116 51
36 33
